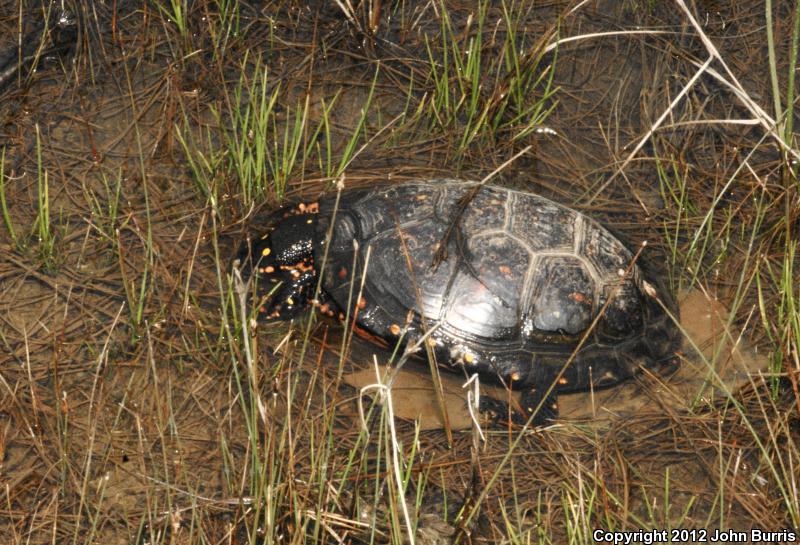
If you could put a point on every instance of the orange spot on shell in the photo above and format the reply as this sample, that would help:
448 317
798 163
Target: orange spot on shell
342 273
394 329
361 303
579 297
505 269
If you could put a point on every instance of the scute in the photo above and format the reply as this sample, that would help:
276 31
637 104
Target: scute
389 272
604 251
486 212
501 265
563 295
409 203
473 309
543 225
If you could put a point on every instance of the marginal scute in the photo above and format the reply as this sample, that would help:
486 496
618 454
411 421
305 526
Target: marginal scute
343 234
623 315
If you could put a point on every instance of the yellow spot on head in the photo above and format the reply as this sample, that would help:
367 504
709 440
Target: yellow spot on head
394 329
269 269
289 301
469 358
515 376
562 380
266 251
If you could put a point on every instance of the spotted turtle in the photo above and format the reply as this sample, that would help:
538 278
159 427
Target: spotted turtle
526 286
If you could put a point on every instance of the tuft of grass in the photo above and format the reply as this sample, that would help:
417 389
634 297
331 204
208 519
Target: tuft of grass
176 12
206 163
262 151
43 231
479 91
224 26
351 149
4 205
105 206
781 321
270 144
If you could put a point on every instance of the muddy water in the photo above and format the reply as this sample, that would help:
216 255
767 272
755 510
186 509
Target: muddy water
715 360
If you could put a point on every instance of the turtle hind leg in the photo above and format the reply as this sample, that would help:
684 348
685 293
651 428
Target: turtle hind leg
540 404
544 409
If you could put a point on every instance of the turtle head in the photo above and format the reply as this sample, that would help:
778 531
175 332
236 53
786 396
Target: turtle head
281 262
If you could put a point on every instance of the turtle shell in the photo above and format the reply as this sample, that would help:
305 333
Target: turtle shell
526 284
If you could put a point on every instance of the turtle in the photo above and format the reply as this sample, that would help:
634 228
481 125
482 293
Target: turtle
525 292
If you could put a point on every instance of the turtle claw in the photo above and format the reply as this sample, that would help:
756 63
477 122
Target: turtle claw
543 407
499 411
